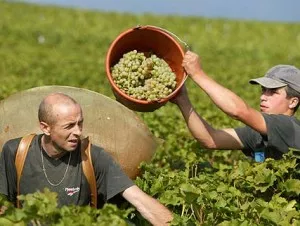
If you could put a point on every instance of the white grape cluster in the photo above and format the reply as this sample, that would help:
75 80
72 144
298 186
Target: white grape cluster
144 78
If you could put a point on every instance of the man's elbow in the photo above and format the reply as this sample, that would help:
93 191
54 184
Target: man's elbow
240 112
207 144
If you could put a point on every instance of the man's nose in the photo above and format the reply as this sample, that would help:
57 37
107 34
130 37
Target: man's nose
77 130
263 97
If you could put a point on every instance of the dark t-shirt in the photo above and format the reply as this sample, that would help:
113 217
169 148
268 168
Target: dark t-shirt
283 132
74 188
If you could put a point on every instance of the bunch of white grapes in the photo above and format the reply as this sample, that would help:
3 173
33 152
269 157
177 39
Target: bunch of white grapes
144 78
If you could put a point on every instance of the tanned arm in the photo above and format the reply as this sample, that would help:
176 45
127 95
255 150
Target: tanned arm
152 210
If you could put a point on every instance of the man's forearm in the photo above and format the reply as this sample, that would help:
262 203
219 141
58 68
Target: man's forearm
152 210
156 213
199 128
223 98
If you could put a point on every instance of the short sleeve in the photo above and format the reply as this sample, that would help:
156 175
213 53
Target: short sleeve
250 139
8 175
111 179
281 132
281 135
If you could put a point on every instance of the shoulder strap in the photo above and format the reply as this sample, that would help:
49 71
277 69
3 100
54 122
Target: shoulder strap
88 169
20 159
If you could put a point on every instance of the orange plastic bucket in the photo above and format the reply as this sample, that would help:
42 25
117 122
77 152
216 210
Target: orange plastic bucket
146 39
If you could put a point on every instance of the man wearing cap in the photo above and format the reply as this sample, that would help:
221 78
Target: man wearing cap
269 133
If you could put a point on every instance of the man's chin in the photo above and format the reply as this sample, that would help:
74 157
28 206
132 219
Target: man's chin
73 148
267 112
264 110
70 149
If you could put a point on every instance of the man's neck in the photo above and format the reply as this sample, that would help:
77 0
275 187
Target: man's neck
50 150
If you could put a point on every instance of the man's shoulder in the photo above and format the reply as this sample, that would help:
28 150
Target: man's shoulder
95 147
10 147
98 151
280 118
14 142
296 124
99 155
273 122
283 124
296 120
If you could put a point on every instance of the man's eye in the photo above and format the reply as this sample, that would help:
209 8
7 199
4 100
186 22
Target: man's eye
69 126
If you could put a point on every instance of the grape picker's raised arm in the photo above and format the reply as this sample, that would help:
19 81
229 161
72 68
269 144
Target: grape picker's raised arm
271 131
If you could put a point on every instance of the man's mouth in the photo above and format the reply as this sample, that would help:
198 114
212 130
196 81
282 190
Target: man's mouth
75 141
262 107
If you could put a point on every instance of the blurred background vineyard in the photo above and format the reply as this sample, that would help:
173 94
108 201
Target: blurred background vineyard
47 45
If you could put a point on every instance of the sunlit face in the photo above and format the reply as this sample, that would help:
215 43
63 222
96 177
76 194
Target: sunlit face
274 101
66 131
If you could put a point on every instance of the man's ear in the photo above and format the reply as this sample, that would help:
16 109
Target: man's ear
293 102
45 128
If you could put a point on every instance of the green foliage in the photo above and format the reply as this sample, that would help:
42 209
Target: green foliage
60 46
40 208
246 193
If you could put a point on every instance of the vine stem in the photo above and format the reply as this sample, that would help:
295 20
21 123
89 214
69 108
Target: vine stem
193 212
183 210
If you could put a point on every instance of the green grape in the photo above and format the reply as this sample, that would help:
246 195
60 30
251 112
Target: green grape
144 78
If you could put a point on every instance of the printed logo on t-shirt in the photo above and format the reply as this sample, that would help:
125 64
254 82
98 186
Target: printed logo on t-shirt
72 191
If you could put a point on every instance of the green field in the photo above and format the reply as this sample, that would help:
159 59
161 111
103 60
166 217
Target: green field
42 45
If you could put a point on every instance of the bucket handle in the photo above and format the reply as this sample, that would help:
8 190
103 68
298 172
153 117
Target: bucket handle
186 46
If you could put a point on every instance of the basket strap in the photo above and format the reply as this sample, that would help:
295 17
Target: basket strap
20 160
88 169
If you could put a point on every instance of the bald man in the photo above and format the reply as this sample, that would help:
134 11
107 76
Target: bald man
54 161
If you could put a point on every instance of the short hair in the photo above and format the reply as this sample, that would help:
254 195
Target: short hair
290 92
45 112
